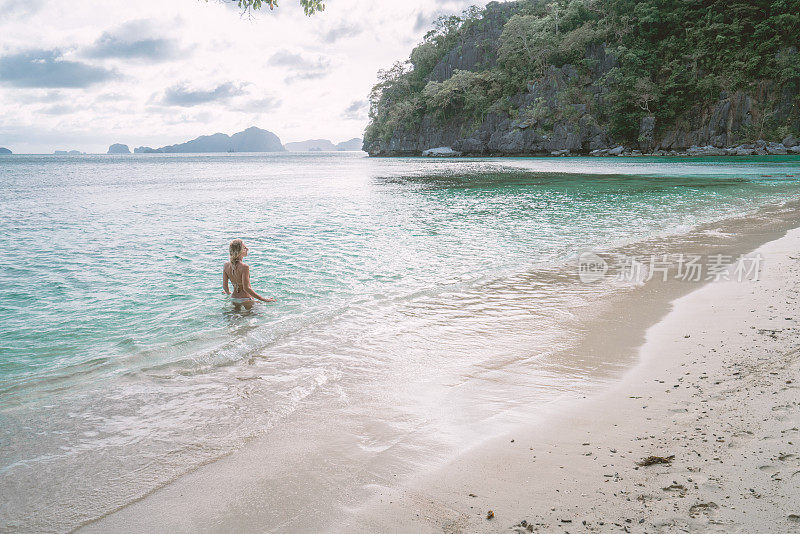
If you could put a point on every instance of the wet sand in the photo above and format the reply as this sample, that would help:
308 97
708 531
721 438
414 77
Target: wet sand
716 392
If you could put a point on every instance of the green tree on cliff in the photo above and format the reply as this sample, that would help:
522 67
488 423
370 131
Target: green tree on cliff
663 59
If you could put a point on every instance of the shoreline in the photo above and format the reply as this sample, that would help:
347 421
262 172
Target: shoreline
700 152
716 386
233 493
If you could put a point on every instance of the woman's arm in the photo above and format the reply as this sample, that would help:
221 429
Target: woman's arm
225 281
249 289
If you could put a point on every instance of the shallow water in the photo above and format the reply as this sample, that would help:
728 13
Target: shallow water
418 302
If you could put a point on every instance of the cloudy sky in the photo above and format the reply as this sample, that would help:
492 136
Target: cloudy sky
82 75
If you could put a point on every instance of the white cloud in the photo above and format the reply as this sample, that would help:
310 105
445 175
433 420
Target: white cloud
154 73
357 110
48 68
183 95
136 39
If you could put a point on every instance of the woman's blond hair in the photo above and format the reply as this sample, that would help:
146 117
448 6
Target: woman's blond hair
235 249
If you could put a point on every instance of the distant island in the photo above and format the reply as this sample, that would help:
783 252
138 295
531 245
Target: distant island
317 145
5 151
310 145
119 148
352 144
68 153
250 140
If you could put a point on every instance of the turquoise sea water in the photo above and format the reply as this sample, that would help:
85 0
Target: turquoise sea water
401 285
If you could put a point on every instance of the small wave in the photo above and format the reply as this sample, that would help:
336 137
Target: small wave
718 232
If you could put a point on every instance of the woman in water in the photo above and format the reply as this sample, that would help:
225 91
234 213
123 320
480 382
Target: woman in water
238 274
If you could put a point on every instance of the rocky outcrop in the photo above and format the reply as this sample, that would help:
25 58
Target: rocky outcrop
441 152
565 111
715 130
353 144
118 148
145 150
759 148
535 130
726 123
477 47
4 151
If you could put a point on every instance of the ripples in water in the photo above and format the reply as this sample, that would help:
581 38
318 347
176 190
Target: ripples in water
421 304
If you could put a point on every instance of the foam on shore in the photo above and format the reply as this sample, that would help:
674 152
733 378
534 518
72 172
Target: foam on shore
716 392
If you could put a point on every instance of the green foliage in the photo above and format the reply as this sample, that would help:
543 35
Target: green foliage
424 57
403 115
393 102
690 51
397 101
787 63
537 114
527 45
309 6
572 45
672 57
468 94
547 34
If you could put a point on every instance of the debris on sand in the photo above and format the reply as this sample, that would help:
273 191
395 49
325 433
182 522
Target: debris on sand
703 508
676 488
489 514
652 460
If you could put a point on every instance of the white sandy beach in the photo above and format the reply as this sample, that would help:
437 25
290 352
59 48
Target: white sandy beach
716 387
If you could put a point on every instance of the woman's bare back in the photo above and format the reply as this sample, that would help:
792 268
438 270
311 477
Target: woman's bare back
238 273
236 277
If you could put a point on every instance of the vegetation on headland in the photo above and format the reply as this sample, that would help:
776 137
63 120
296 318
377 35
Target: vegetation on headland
669 57
673 55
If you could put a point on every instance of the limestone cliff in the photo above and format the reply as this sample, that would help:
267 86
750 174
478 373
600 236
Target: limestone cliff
477 101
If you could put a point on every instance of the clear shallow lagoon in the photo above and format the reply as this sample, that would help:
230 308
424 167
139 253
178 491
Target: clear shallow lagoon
418 302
